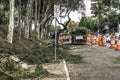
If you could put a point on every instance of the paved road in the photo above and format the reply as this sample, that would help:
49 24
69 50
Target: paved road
100 63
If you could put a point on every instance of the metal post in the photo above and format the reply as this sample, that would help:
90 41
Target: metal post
55 39
56 15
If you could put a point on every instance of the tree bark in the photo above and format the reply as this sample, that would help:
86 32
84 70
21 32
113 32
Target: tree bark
11 22
36 11
38 21
46 16
19 20
28 19
42 31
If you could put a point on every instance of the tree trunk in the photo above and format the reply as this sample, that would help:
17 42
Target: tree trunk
19 20
11 22
46 30
42 31
49 25
36 11
45 18
38 22
44 10
38 30
28 19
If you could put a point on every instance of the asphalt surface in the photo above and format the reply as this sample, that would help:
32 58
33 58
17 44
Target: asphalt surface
100 63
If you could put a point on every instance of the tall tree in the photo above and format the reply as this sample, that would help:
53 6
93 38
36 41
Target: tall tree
36 13
28 18
19 19
11 22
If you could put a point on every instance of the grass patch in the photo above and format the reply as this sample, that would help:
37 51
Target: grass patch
63 54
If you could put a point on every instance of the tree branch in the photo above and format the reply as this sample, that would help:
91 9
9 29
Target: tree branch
64 25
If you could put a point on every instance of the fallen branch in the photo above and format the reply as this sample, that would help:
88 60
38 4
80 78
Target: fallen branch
5 73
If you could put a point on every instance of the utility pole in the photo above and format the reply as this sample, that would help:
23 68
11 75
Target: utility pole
55 39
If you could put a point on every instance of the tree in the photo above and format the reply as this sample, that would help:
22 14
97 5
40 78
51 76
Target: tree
11 22
19 19
28 18
43 10
4 13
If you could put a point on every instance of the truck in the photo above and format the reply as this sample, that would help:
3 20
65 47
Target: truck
77 36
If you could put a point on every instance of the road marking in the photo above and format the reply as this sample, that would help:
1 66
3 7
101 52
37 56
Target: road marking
66 70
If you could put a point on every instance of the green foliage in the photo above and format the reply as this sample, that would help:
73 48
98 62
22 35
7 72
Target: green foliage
16 74
37 54
4 16
112 3
4 13
9 65
83 22
80 31
81 27
113 17
53 28
39 70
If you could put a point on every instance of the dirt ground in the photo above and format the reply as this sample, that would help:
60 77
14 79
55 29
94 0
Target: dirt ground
57 69
100 63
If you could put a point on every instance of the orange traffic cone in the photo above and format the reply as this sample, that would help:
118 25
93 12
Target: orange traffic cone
118 45
112 42
104 41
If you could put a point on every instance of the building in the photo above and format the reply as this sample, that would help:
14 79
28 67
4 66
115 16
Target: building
88 8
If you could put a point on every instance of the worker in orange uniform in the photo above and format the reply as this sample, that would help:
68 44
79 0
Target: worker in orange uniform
112 41
97 40
100 40
118 44
92 39
60 41
88 38
103 40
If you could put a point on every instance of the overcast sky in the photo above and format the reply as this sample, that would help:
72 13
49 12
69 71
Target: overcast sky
74 15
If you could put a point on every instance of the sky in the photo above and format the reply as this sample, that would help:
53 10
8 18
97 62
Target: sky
74 15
